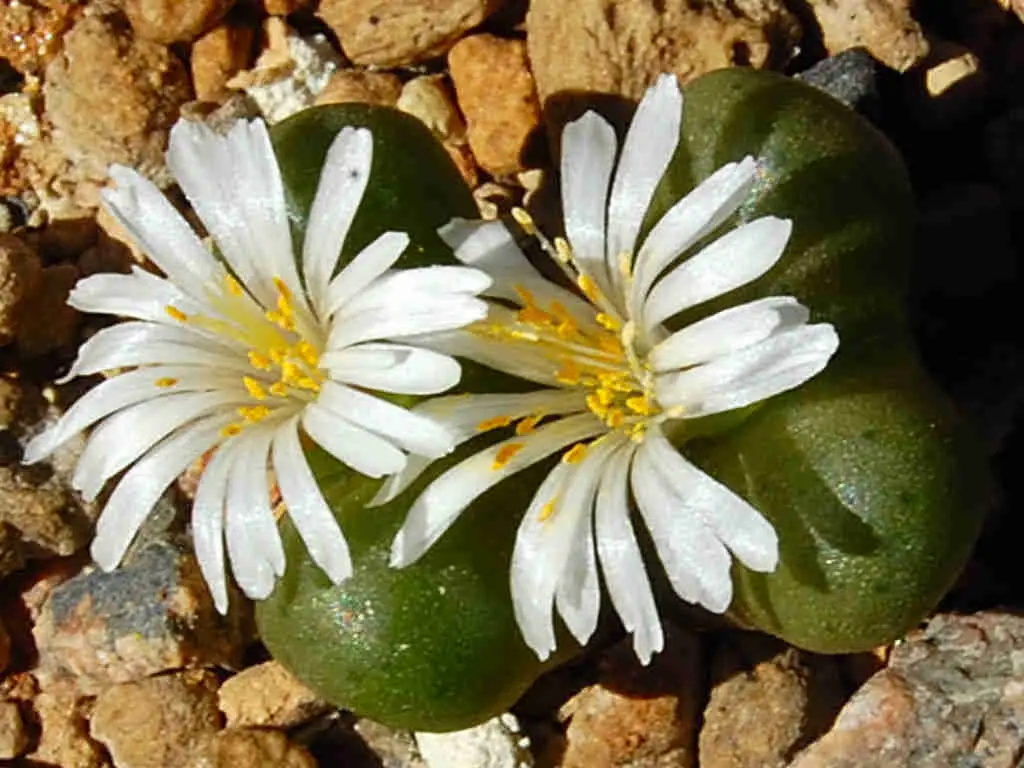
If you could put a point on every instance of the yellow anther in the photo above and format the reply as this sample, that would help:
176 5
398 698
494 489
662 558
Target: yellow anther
176 313
525 295
608 322
253 414
598 408
230 430
524 220
615 418
576 454
279 389
547 511
641 405
589 287
562 250
532 315
567 329
308 353
605 396
569 373
308 383
256 360
505 454
233 286
254 388
277 356
496 423
290 372
527 425
165 382
283 289
636 432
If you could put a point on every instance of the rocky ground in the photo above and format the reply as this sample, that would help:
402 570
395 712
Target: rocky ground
135 668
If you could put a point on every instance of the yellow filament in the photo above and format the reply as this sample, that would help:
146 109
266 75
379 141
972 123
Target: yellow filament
232 286
608 322
505 454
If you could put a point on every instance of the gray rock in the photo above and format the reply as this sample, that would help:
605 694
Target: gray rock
851 77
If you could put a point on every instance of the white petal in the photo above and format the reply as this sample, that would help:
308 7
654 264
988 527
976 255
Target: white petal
696 215
208 524
371 262
418 316
588 153
445 498
734 259
781 362
140 488
343 180
398 288
649 145
727 331
393 368
365 452
411 431
249 564
251 491
306 506
740 527
161 232
139 295
538 560
621 562
696 562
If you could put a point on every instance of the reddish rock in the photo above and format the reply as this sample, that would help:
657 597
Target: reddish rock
219 55
174 21
31 32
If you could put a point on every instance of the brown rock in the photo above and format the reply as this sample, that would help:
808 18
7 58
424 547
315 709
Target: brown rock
236 747
501 121
953 694
64 739
429 99
150 615
174 21
360 85
19 276
112 98
395 749
14 739
31 32
268 695
619 46
157 723
218 56
5 647
284 7
767 701
393 33
885 27
48 322
643 717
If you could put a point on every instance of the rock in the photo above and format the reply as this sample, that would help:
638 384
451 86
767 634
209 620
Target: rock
768 700
502 122
236 747
19 128
217 56
955 84
497 743
14 738
284 7
953 694
174 21
268 695
618 47
360 85
429 99
643 717
851 77
395 749
392 33
31 32
112 98
157 722
48 322
64 739
494 200
5 647
152 614
885 27
20 269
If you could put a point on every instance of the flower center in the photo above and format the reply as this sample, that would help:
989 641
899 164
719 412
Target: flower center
284 360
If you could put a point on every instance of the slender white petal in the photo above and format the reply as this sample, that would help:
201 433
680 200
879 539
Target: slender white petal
253 492
399 288
343 179
696 215
419 316
734 259
649 145
306 505
140 488
370 263
727 331
208 524
621 562
445 498
252 569
523 362
588 154
139 295
367 453
393 368
779 363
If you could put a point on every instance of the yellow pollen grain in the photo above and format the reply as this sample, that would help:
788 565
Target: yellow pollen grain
524 220
598 408
176 313
605 396
525 295
641 405
576 454
233 287
569 373
527 425
290 372
589 287
308 383
165 382
283 289
279 389
496 423
253 413
254 388
563 250
256 360
615 418
534 316
547 511
505 454
608 322
230 430
308 353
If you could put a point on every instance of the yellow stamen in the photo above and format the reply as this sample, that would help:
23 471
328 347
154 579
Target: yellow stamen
608 322
569 373
562 250
576 454
279 389
641 405
283 289
165 382
233 287
505 454
309 384
525 295
596 406
589 288
230 430
176 313
615 418
308 353
256 360
253 414
496 423
290 372
626 264
524 220
547 511
527 425
254 388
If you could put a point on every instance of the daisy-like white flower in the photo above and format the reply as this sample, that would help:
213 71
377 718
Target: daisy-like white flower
250 353
617 383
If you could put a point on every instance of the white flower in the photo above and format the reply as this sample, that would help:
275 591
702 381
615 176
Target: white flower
250 356
617 383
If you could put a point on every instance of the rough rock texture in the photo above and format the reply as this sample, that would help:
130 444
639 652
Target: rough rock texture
19 277
618 47
268 695
393 33
156 722
429 99
502 122
885 27
497 743
112 98
237 747
396 749
152 614
643 717
64 730
218 56
953 694
768 700
174 21
348 85
50 301
14 738
30 32
851 77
